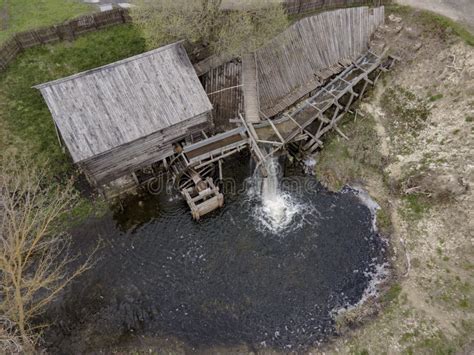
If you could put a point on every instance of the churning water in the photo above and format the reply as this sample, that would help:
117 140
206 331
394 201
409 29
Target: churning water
274 209
267 270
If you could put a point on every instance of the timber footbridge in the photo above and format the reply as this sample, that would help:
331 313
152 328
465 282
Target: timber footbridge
298 130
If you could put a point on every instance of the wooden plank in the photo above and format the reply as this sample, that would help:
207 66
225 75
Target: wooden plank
250 90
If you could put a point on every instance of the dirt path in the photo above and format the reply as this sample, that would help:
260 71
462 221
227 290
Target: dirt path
458 10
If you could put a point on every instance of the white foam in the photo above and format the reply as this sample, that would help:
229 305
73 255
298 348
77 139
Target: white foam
309 165
276 210
367 201
376 277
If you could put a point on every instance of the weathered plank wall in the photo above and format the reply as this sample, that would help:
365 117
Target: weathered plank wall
65 31
140 153
223 86
294 63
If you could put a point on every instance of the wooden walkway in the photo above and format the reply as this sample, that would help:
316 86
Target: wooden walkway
250 88
217 147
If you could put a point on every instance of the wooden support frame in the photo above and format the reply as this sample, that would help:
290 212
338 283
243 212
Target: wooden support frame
253 139
276 131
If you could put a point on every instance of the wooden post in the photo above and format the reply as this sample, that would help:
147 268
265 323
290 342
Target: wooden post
220 169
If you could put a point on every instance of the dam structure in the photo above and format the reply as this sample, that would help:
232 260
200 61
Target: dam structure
158 116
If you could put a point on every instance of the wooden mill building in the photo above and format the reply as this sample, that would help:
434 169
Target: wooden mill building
121 118
125 116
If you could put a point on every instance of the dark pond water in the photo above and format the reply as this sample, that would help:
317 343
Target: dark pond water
226 280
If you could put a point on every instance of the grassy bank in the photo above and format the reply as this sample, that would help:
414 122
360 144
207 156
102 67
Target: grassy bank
342 162
433 22
410 153
23 15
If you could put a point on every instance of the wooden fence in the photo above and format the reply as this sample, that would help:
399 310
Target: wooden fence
69 30
66 31
294 7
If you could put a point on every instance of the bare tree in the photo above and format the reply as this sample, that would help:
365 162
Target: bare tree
166 21
10 340
229 32
35 263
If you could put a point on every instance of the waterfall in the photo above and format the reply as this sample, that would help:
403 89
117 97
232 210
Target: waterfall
276 208
273 203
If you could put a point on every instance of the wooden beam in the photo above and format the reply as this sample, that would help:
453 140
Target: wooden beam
59 138
276 130
220 169
270 142
323 118
229 88
349 103
320 128
341 133
313 106
366 82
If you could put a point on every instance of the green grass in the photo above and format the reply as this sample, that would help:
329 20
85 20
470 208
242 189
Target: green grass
23 15
407 115
415 206
436 344
436 97
384 222
434 22
341 161
393 293
25 120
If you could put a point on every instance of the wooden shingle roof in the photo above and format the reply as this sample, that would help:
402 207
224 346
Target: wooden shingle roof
103 108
